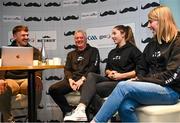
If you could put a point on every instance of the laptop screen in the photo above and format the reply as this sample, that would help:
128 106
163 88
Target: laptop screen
17 56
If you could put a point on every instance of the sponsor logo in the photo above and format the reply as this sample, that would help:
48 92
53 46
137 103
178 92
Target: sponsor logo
92 37
104 36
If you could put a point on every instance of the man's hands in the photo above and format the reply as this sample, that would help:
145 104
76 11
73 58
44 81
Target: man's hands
75 85
3 86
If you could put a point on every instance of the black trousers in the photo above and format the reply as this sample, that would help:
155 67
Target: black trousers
94 82
58 91
97 87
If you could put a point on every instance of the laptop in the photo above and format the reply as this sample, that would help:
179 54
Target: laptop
17 56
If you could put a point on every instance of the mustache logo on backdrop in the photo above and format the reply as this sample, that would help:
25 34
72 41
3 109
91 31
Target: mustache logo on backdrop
69 33
147 40
52 4
148 5
70 47
104 61
32 19
12 4
32 4
53 78
72 17
54 18
108 13
130 9
46 36
103 0
144 25
88 1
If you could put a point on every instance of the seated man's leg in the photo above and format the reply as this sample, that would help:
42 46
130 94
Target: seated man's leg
5 105
24 89
58 91
13 85
88 90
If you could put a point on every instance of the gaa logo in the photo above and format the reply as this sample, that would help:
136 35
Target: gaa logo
92 37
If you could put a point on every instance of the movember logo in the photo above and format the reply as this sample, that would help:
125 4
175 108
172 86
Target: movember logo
104 61
108 13
88 1
144 25
50 4
46 36
32 4
12 4
70 47
54 18
147 40
130 9
32 19
148 5
69 33
70 18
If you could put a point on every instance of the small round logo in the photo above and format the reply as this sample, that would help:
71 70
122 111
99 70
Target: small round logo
17 56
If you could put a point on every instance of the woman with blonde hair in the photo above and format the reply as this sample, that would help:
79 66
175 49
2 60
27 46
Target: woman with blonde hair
161 84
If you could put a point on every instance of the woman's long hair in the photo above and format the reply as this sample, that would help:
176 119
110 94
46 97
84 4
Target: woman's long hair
167 27
129 37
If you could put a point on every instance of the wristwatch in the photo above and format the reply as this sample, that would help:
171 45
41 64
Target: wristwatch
83 78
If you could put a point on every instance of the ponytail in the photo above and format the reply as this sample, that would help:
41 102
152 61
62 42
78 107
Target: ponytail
129 37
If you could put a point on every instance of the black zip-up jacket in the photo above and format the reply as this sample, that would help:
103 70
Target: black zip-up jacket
126 59
80 63
163 61
22 74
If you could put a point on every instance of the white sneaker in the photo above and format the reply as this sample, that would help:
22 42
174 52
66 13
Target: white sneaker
78 115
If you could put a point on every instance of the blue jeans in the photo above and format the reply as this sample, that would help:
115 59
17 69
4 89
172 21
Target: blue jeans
128 95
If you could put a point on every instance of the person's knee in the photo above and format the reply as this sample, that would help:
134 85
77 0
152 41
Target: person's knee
13 86
23 87
126 108
91 75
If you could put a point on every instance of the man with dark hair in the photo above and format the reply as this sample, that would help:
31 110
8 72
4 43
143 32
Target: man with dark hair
17 80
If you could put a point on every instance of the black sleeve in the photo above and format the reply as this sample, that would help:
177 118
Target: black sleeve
37 56
68 66
139 61
107 63
168 75
94 62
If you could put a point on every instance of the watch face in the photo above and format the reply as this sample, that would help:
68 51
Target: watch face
83 79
